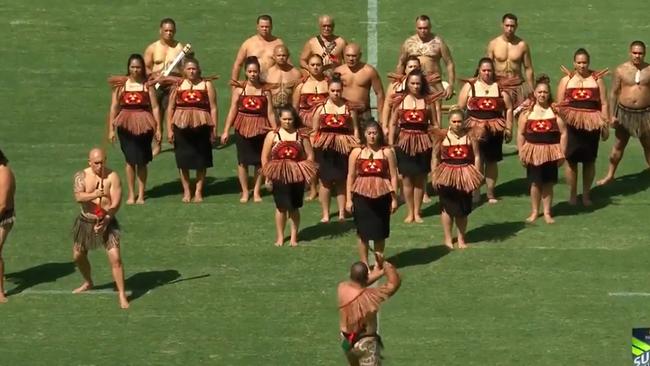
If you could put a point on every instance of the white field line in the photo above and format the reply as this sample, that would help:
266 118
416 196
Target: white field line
69 292
372 44
630 294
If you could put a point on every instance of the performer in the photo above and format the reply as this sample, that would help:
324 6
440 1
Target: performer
455 174
541 141
488 107
358 78
326 44
288 161
135 115
158 56
413 115
97 189
283 77
261 46
630 101
251 113
358 307
192 126
582 98
397 85
7 212
371 187
337 133
307 96
511 56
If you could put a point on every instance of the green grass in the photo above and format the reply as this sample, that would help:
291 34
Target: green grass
219 293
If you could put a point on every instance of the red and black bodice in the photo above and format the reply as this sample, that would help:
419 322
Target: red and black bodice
584 98
371 167
310 100
413 119
252 104
192 98
335 122
461 154
135 100
542 131
485 107
287 150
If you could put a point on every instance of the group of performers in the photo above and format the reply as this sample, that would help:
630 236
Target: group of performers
311 129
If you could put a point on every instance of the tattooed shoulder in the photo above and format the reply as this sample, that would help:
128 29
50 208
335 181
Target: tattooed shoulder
80 181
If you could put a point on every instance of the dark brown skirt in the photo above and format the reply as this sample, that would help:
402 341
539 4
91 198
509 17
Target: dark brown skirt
85 237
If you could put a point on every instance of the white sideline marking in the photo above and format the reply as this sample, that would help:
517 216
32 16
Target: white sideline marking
373 20
69 292
630 294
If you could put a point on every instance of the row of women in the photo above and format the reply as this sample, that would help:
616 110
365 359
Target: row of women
319 137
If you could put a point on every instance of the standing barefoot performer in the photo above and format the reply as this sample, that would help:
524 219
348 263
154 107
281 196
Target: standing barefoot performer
7 212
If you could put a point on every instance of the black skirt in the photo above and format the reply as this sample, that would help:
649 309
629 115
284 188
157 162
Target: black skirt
136 148
372 216
582 145
288 196
490 146
454 202
540 174
332 165
192 147
249 150
407 165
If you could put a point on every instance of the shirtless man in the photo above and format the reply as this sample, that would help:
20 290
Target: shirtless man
358 77
7 213
157 57
358 307
261 45
326 44
511 56
283 76
97 189
630 101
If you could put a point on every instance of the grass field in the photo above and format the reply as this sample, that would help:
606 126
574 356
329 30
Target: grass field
209 288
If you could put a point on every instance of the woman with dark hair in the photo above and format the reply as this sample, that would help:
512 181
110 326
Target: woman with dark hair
251 113
337 133
192 122
371 190
455 174
582 104
541 141
413 116
489 108
135 116
288 161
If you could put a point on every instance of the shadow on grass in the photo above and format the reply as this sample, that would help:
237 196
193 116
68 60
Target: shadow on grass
329 230
212 187
513 188
494 232
432 208
418 256
141 283
43 273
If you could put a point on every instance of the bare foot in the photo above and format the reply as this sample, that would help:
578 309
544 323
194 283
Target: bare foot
492 200
139 201
83 288
573 201
257 199
278 244
549 219
605 180
461 244
408 219
130 201
244 198
418 220
586 201
293 244
449 245
341 218
124 303
155 150
426 199
311 197
186 199
3 299
325 219
198 198
533 216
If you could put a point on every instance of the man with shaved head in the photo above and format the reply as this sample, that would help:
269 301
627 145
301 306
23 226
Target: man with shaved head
282 76
7 212
97 189
326 44
358 78
358 306
261 45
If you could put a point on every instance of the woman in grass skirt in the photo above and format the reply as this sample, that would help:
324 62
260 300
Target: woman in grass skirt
413 115
288 161
541 141
489 108
251 113
582 104
192 126
371 190
335 123
455 173
307 97
135 116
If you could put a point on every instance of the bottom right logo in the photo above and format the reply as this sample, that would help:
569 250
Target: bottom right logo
641 346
